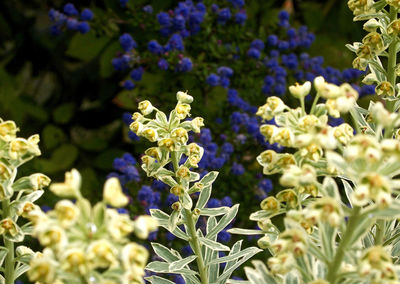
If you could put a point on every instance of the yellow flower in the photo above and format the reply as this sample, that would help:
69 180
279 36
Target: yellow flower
39 181
150 134
197 123
300 91
146 107
70 187
182 110
112 193
144 225
42 268
67 213
167 143
120 225
20 147
134 255
183 97
74 259
180 135
136 127
101 254
8 130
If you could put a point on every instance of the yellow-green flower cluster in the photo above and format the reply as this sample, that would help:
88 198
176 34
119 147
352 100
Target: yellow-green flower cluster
85 244
171 135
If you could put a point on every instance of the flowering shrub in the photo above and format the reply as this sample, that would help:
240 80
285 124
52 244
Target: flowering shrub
85 244
171 135
17 198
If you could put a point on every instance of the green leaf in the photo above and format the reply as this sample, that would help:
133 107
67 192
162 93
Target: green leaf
63 113
169 255
181 263
173 220
158 280
237 255
21 270
86 47
163 267
239 231
106 68
213 244
3 254
162 219
99 214
265 214
187 202
225 220
329 187
53 136
214 211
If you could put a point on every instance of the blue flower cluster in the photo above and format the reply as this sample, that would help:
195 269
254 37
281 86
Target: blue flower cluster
125 170
225 14
70 19
222 79
185 19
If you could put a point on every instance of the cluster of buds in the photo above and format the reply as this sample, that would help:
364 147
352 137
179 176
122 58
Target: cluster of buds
290 244
309 133
360 7
17 196
377 265
85 244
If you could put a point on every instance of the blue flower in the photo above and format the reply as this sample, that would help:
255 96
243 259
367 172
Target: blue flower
224 236
184 65
241 17
83 27
136 74
214 8
213 80
225 71
154 47
237 3
72 24
224 15
127 42
70 10
213 203
175 43
163 19
187 250
163 64
129 159
265 185
179 22
148 9
128 84
272 40
86 15
253 53
226 201
257 44
225 82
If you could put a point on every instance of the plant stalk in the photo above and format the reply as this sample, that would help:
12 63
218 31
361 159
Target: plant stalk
195 243
9 260
392 60
334 266
194 239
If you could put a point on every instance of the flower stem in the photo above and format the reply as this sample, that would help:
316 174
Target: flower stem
190 222
9 260
380 232
392 60
195 244
334 266
314 103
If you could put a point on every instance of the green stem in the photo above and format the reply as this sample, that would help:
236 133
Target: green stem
314 103
195 244
392 60
380 232
303 107
190 222
334 266
9 260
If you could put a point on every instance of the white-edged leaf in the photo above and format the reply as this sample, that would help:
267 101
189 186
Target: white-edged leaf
169 255
204 196
163 219
179 264
214 211
213 244
173 220
264 214
3 254
223 222
158 280
259 275
163 267
239 231
235 256
186 201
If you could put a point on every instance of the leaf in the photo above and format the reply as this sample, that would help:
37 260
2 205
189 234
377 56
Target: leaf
265 214
187 202
173 220
181 263
163 267
106 68
225 220
209 178
63 113
203 197
33 196
259 275
213 244
240 231
86 47
214 211
165 253
52 136
348 190
237 255
330 188
158 280
21 270
3 254
99 214
162 219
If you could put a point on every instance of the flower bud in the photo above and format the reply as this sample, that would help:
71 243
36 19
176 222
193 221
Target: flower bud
144 225
146 107
180 135
371 25
197 123
384 89
183 97
167 143
182 110
70 187
8 130
150 134
112 193
300 91
177 190
136 127
270 203
264 242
